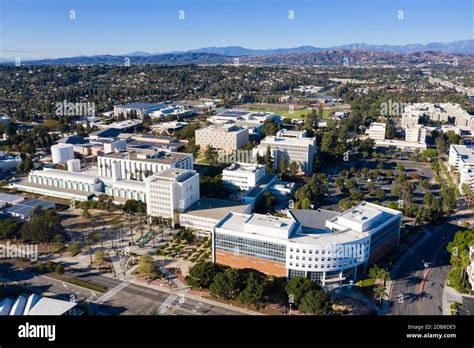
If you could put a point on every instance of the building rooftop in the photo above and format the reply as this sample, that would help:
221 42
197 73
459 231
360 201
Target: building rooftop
151 156
466 153
313 220
215 209
141 106
66 175
173 174
244 167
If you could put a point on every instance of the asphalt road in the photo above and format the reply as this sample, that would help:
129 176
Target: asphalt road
131 299
416 290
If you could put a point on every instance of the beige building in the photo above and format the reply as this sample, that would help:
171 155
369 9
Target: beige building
227 137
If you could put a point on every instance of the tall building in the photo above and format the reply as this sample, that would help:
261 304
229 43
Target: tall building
376 131
227 137
242 176
139 164
299 149
415 133
461 160
323 245
170 192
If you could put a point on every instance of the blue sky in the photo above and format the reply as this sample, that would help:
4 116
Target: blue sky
42 28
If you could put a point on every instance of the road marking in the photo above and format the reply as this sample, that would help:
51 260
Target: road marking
167 304
111 293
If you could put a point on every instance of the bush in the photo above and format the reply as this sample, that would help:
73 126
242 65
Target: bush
59 269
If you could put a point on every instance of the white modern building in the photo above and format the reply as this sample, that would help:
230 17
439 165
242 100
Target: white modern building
227 137
140 109
171 192
242 176
137 164
376 131
299 149
470 268
461 160
322 245
415 134
236 115
61 153
203 215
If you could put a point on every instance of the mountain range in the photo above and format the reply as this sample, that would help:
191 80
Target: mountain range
461 52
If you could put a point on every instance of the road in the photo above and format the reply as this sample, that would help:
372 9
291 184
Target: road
131 299
416 290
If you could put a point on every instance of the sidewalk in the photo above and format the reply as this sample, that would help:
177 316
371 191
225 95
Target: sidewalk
185 293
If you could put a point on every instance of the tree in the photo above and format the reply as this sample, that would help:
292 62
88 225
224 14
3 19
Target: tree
99 257
227 284
202 274
293 168
297 287
211 155
269 128
74 248
268 157
268 201
9 229
282 165
146 267
253 291
42 227
59 269
315 302
380 291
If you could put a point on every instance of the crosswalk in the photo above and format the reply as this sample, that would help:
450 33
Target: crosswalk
111 292
166 305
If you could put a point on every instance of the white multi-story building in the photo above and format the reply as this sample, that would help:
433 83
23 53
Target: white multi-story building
376 131
140 109
235 115
171 192
410 119
299 149
415 133
470 268
227 137
203 215
138 164
242 176
461 160
322 245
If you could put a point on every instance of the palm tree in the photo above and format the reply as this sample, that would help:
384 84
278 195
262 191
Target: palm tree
380 291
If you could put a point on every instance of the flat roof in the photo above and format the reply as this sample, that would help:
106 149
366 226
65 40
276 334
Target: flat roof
313 219
215 209
165 157
66 175
8 198
141 105
243 167
174 174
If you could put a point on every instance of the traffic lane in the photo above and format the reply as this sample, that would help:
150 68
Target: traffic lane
414 270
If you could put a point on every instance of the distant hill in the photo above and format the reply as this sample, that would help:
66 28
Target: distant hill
459 47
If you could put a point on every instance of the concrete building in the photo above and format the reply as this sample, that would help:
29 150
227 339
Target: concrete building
203 215
238 115
139 109
137 164
171 192
227 137
415 134
322 245
410 120
61 153
24 209
299 149
242 176
376 131
461 160
35 304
